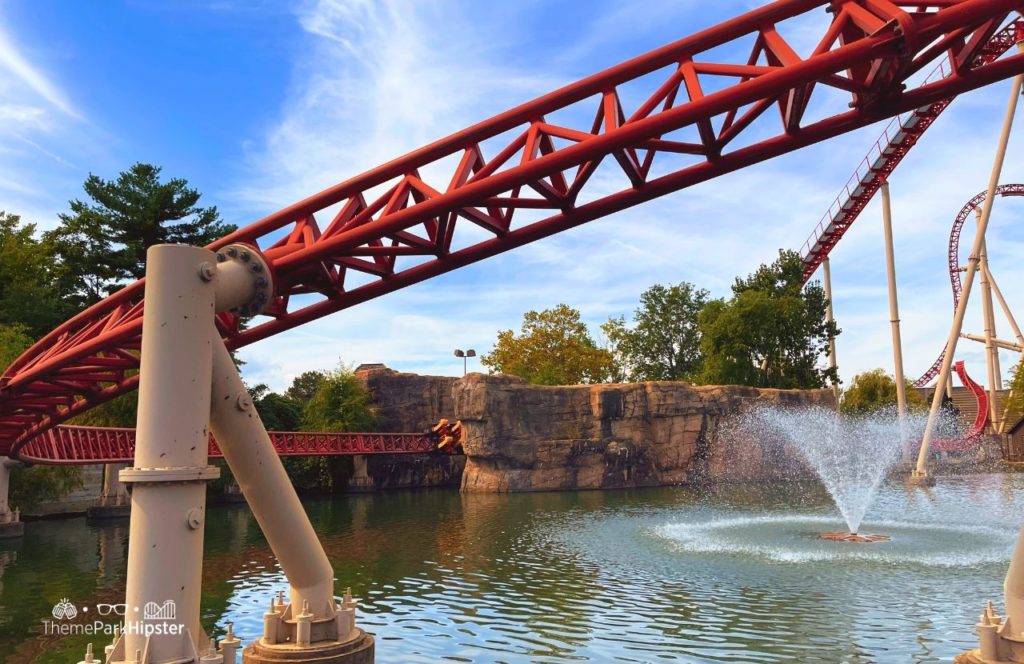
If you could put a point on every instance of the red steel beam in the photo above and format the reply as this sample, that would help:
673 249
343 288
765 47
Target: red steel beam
895 142
395 225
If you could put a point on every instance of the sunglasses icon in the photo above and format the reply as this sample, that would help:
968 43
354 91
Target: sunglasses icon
107 609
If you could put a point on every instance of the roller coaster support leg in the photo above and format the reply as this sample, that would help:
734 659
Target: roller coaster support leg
10 520
921 471
170 470
826 271
312 627
894 319
991 351
185 288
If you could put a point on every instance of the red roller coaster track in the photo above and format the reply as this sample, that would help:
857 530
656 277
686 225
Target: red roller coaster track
954 262
703 115
888 150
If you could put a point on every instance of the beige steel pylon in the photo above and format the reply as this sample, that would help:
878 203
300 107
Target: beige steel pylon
187 384
920 473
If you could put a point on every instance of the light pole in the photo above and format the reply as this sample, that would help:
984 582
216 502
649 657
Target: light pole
464 354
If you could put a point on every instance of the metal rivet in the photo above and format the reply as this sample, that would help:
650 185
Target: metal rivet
206 271
256 267
221 257
245 256
194 518
261 282
244 402
232 252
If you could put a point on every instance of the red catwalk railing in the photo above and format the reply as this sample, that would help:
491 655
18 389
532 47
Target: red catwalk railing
954 263
682 114
895 142
90 445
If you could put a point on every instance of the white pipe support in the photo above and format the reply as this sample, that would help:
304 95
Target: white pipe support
165 545
263 481
826 271
6 515
920 471
1002 343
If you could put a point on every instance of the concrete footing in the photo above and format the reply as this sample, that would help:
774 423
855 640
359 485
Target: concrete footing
359 649
916 479
12 529
104 512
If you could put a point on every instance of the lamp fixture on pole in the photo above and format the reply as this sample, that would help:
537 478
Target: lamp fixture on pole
464 354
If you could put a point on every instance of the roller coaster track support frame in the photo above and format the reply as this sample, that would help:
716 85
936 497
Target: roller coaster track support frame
188 383
894 319
920 472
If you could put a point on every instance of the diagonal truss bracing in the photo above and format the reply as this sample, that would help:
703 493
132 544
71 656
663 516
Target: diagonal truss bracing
722 99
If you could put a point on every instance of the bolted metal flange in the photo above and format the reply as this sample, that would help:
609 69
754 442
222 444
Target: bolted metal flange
246 263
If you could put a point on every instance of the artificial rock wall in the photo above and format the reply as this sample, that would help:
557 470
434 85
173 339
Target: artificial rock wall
521 437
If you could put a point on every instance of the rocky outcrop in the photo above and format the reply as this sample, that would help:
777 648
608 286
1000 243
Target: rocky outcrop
521 437
406 402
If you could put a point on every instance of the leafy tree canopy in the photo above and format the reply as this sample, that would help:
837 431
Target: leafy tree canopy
28 295
102 242
304 386
663 342
553 348
340 403
875 390
771 333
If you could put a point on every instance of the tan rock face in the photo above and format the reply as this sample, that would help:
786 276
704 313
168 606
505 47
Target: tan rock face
407 403
521 437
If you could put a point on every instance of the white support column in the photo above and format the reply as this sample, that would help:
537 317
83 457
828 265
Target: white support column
6 514
894 318
989 329
170 470
312 624
826 272
921 472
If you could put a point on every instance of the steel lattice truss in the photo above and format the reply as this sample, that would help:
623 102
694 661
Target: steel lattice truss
682 114
898 137
954 262
89 445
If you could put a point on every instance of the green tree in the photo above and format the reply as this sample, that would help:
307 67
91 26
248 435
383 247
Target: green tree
304 386
663 342
875 390
554 347
102 244
28 295
278 412
1014 404
338 402
771 333
32 486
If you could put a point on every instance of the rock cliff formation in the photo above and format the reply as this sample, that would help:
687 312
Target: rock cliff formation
521 437
406 403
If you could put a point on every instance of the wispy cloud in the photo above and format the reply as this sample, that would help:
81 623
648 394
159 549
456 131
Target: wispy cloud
15 63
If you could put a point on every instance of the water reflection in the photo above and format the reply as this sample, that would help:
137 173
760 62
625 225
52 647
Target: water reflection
728 574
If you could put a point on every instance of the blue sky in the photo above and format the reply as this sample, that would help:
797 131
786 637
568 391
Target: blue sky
259 104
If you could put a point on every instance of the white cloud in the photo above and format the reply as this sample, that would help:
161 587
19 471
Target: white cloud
14 62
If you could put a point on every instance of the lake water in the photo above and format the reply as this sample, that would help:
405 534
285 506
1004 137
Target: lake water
660 575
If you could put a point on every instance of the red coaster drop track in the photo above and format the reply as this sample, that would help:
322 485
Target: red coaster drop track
702 115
